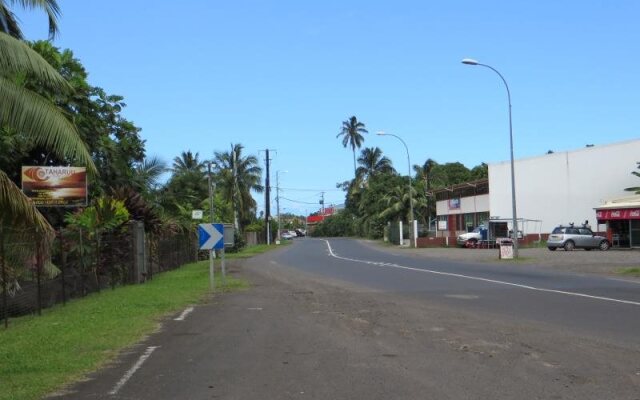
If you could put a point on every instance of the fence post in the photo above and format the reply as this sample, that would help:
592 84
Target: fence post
63 267
5 309
83 290
39 271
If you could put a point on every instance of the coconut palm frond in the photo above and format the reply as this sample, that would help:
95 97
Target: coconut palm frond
16 57
9 23
27 112
50 7
16 209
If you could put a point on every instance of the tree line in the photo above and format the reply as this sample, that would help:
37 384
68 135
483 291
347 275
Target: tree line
378 194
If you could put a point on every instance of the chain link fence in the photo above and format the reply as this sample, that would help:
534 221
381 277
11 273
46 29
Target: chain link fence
37 274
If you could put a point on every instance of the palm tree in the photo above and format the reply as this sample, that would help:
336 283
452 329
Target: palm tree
187 162
372 162
351 133
9 23
635 189
35 117
237 177
147 174
396 203
425 174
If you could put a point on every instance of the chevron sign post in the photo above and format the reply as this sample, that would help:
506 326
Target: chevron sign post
210 236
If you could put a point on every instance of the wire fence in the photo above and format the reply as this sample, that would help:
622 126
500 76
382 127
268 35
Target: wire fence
37 274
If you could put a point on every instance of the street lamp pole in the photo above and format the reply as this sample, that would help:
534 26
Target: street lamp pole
469 61
413 233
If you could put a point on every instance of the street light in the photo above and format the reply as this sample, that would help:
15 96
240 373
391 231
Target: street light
470 61
278 199
413 233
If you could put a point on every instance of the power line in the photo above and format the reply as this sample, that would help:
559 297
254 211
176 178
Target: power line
298 201
312 190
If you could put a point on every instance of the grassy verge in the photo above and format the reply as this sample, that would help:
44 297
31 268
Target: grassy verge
42 354
630 272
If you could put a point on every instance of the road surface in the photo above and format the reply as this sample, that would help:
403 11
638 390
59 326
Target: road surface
337 319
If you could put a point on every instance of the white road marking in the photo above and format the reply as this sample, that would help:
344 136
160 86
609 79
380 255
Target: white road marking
254 309
624 280
184 314
382 264
133 370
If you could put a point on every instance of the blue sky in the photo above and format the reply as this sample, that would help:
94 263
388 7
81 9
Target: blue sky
283 75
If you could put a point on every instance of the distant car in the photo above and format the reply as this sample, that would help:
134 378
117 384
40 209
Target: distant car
572 237
286 235
300 232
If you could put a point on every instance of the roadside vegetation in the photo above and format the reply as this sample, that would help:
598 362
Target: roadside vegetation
41 354
630 271
379 194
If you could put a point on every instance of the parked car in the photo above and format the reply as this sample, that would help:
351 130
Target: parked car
470 239
286 235
571 237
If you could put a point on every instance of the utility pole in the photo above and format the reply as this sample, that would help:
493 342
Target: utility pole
322 204
267 199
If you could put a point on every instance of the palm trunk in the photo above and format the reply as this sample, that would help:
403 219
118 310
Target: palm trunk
354 164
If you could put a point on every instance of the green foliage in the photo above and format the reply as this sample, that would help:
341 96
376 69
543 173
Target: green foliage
340 224
106 214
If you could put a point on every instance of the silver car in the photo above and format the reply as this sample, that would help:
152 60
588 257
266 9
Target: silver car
572 237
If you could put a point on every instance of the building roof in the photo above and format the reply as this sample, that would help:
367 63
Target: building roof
622 202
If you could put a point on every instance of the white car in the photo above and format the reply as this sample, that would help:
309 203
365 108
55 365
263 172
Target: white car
470 239
286 235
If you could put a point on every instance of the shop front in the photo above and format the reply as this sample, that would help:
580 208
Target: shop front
622 219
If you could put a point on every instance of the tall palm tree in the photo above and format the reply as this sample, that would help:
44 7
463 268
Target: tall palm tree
9 23
238 175
351 133
35 117
372 162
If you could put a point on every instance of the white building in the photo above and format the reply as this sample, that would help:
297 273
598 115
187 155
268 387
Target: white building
551 189
564 187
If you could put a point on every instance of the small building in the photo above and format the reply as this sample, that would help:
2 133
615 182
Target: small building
622 219
460 208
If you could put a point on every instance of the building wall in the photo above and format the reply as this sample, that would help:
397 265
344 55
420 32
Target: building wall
471 204
564 187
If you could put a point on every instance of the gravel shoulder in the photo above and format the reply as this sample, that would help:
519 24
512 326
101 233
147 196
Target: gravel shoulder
580 261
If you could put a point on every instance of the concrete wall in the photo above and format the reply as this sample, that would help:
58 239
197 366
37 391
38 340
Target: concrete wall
564 187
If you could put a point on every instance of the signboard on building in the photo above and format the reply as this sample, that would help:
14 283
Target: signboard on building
55 186
616 214
454 204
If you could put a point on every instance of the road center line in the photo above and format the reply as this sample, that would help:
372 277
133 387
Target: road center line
184 314
132 370
390 265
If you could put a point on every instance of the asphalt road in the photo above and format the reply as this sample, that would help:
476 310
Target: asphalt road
341 320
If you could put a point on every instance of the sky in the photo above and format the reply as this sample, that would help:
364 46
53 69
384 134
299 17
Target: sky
283 75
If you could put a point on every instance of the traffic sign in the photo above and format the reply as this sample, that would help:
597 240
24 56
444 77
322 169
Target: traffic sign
210 236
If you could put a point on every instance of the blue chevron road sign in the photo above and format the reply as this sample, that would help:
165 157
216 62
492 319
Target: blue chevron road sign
210 236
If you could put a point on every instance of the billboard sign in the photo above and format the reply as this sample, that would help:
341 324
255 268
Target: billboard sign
55 186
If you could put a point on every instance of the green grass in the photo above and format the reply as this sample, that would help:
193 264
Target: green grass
630 271
251 251
41 354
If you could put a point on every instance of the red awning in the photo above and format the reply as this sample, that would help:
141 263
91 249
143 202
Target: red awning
617 214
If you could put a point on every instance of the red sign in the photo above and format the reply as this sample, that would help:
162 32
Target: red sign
624 213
